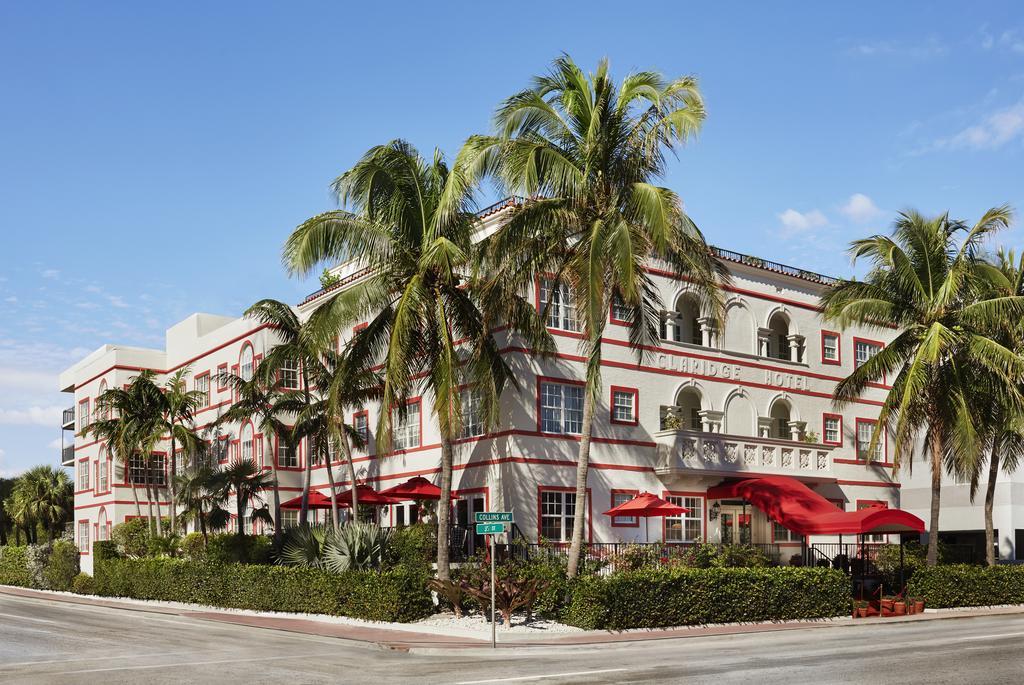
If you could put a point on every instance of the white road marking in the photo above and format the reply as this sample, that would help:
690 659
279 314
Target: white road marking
27 618
76 660
539 677
182 664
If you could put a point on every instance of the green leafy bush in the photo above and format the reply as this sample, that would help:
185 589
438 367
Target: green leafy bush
14 567
132 538
413 546
83 584
61 566
104 549
232 548
398 595
193 547
673 596
963 585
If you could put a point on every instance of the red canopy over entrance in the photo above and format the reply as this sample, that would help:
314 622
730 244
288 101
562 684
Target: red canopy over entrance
317 500
789 502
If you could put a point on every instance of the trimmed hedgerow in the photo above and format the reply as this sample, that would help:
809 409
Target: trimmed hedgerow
61 566
962 585
83 584
398 595
679 596
14 566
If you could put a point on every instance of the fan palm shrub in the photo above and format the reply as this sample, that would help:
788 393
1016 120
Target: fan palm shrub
357 547
247 482
588 152
929 282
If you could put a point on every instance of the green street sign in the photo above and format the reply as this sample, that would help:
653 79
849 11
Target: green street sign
489 528
493 516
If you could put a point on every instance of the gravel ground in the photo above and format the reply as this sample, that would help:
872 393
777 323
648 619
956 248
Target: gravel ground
480 623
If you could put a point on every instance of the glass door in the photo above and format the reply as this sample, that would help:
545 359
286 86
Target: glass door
735 526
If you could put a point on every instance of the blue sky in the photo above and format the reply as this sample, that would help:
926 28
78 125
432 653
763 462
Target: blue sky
153 159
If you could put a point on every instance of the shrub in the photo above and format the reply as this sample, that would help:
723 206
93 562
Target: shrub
413 546
132 537
302 546
232 548
83 584
398 595
193 547
356 546
672 596
14 567
962 585
104 549
61 566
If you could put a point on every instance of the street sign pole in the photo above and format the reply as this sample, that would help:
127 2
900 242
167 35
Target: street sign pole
494 633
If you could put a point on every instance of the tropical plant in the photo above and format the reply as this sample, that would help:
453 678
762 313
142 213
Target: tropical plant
179 407
587 151
201 492
303 546
45 494
6 524
247 482
356 546
413 228
929 283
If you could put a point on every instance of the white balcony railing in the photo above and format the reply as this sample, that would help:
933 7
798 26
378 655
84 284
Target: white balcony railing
686 452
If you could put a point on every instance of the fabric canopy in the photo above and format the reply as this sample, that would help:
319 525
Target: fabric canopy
645 504
367 495
415 488
792 504
317 500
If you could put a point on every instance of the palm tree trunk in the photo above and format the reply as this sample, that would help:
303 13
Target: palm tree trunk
933 529
277 489
172 486
238 512
334 492
149 496
990 496
307 474
135 492
582 470
202 529
443 508
351 478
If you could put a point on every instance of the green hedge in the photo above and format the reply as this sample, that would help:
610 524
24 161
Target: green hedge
399 595
678 596
961 585
14 567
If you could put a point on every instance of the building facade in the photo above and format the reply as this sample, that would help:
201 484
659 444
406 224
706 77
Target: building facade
705 405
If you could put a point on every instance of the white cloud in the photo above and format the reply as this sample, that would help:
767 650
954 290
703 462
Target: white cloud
1011 40
861 208
931 47
55 444
794 222
994 131
50 273
32 416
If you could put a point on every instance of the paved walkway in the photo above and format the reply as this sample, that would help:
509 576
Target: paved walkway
406 638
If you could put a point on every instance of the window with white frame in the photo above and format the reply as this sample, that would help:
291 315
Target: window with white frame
105 414
246 443
83 415
83 536
245 363
83 474
361 424
290 374
202 384
624 406
782 534
561 408
287 455
103 472
557 509
219 448
863 351
289 518
621 498
620 312
832 430
830 347
687 527
405 430
865 429
472 413
559 306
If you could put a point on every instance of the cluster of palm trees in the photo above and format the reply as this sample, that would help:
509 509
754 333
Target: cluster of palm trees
36 505
957 363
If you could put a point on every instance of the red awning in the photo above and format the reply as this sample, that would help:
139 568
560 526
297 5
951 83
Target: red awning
645 504
792 504
415 488
317 500
367 495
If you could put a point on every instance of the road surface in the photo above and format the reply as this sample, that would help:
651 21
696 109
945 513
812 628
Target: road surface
42 641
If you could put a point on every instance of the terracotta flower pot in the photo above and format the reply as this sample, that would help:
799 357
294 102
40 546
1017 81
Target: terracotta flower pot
919 606
900 608
888 604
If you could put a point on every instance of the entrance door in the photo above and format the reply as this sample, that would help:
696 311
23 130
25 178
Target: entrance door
466 508
735 526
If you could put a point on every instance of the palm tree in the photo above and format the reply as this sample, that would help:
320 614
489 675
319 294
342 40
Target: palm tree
117 405
259 401
48 495
412 226
929 282
202 492
180 405
247 481
6 524
588 152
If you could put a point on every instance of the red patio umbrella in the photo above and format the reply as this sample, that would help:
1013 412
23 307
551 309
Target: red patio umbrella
417 488
646 505
317 500
367 495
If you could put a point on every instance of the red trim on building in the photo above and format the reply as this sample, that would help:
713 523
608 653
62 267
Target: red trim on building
825 440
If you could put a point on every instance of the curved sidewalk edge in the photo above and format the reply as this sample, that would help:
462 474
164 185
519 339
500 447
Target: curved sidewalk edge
404 637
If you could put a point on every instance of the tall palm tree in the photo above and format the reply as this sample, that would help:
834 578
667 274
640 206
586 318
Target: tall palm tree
180 405
6 525
113 426
411 224
49 495
589 151
258 400
247 481
929 282
202 492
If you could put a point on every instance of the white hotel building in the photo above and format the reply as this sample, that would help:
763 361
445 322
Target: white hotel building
702 407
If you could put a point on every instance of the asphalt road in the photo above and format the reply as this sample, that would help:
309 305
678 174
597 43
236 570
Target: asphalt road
49 642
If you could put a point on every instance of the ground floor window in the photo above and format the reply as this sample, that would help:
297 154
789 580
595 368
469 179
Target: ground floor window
406 514
83 536
621 497
289 518
557 509
688 527
782 534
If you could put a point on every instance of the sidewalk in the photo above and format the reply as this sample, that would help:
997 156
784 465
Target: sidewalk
408 637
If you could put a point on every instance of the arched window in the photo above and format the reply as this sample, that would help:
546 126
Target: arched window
686 411
246 442
778 342
105 414
245 363
101 525
683 324
780 417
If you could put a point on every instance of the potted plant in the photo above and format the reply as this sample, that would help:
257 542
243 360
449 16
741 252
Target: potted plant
918 605
860 608
899 607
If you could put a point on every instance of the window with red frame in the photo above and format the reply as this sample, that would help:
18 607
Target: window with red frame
557 305
557 509
83 474
864 350
830 347
361 424
405 430
288 376
202 386
561 408
687 527
83 536
865 430
621 497
832 429
222 372
83 415
624 405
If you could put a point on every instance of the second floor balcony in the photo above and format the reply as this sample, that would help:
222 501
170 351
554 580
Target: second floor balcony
68 419
67 455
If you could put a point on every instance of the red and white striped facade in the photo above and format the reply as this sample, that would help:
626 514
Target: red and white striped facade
702 406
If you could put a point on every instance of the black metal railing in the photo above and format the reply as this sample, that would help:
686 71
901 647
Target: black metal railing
68 417
67 454
749 260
